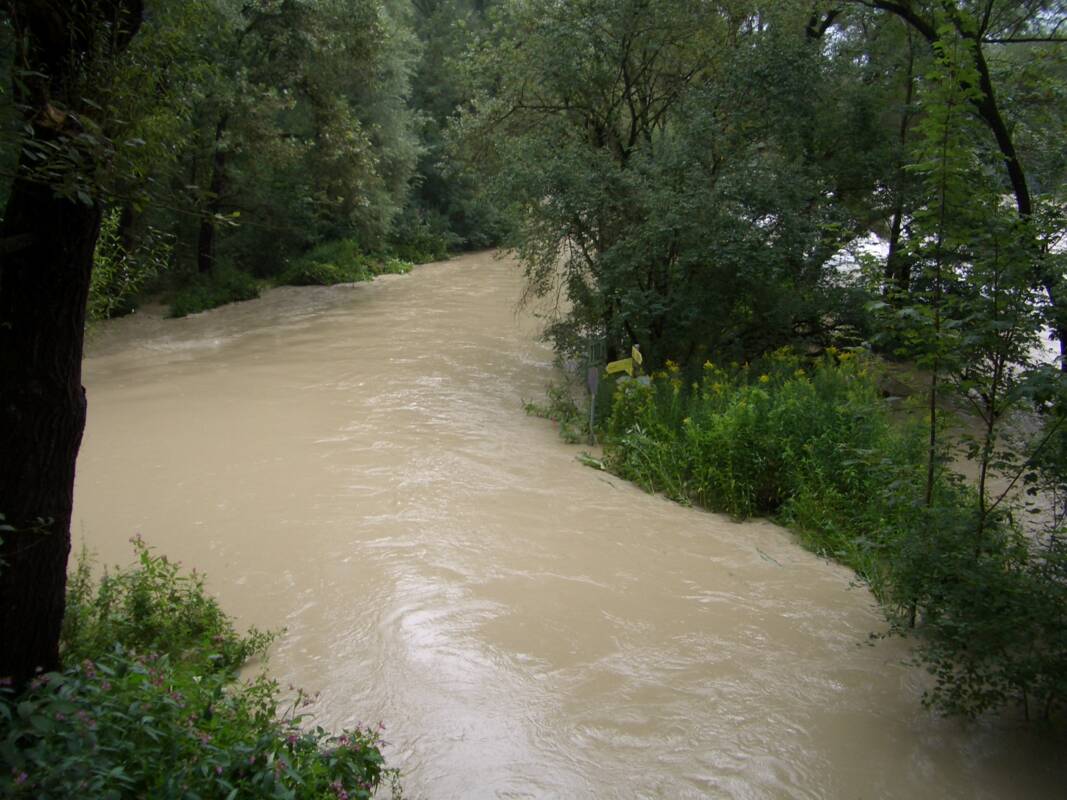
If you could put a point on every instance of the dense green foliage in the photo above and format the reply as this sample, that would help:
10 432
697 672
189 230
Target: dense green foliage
762 439
150 706
203 292
703 180
815 445
334 262
240 136
120 273
339 261
669 181
706 181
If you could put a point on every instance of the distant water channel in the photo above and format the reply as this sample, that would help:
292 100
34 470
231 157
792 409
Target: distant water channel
353 463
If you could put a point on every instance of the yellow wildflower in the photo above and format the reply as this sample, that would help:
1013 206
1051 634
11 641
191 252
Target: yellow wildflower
764 378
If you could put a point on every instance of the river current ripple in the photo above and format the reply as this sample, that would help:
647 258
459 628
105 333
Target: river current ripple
353 463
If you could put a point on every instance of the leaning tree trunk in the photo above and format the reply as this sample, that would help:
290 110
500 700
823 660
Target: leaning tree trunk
43 291
46 253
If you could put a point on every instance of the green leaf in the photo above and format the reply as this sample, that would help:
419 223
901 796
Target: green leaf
42 724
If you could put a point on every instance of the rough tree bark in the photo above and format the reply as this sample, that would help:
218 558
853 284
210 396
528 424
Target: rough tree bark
45 266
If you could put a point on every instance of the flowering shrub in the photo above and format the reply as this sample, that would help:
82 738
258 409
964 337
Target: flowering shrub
749 441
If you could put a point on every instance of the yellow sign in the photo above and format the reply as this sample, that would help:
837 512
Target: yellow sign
625 365
635 353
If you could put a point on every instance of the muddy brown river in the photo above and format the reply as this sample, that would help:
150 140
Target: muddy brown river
353 463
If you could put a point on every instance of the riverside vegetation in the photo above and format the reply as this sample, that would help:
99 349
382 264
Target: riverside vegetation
700 179
340 261
240 170
705 185
150 705
813 444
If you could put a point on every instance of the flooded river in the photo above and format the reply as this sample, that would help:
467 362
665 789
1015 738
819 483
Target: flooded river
353 463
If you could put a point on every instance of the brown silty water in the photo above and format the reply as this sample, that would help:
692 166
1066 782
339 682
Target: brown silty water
353 463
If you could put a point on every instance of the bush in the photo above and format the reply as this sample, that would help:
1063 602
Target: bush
994 616
339 261
204 292
421 238
118 275
752 441
422 253
153 608
149 706
315 273
815 446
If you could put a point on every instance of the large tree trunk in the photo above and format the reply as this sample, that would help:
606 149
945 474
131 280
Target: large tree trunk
43 291
46 253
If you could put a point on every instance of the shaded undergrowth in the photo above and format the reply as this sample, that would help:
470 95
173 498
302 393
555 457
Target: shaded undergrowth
149 704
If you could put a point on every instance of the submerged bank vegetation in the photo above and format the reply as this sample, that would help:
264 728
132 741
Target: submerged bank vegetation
713 183
814 444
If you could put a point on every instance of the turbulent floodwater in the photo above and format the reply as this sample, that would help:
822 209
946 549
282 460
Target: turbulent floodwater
353 463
